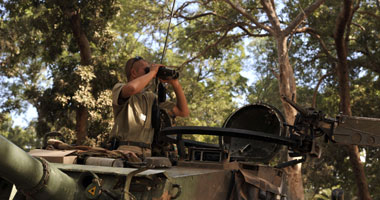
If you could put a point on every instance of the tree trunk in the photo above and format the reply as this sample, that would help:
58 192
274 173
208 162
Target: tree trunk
85 54
287 83
81 126
286 79
343 21
81 38
287 87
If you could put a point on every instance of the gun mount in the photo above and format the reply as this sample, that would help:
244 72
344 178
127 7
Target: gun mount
249 138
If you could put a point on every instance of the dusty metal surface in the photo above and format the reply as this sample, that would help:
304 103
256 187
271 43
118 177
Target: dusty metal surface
198 183
104 170
173 172
177 172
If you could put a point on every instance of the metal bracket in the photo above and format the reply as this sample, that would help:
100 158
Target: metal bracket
290 163
128 182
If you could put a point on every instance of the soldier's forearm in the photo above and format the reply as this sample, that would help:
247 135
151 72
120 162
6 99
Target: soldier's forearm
181 109
137 85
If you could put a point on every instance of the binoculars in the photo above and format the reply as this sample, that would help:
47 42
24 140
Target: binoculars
165 73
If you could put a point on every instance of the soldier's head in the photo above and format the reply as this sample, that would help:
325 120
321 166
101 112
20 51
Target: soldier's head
135 67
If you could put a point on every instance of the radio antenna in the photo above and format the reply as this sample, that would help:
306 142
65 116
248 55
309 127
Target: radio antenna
167 33
160 90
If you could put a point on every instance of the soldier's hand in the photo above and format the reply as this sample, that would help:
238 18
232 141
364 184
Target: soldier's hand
154 67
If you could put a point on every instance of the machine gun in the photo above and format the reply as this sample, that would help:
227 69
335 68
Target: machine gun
300 137
310 124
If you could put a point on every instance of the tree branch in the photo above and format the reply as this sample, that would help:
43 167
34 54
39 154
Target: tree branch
302 16
321 42
242 11
370 14
195 16
348 26
241 25
313 105
80 36
205 49
272 15
256 35
277 75
183 6
341 24
358 25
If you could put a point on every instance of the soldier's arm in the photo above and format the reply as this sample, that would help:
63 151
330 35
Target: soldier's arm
138 84
181 109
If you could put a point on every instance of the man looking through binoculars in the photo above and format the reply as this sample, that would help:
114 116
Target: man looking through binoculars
132 105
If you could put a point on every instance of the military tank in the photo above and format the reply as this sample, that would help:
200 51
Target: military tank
236 168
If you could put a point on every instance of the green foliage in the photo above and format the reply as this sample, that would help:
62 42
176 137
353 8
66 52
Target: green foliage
265 90
210 35
40 44
25 139
210 88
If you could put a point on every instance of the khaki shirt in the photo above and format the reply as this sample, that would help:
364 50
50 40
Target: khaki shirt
132 116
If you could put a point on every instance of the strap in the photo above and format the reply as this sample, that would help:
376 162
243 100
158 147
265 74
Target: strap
156 122
138 144
161 94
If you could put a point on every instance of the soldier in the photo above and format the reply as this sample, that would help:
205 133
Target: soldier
132 106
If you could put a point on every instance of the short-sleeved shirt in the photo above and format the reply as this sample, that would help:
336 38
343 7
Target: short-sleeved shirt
132 116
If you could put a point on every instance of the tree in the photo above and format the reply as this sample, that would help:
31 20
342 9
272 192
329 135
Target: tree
347 50
46 32
341 34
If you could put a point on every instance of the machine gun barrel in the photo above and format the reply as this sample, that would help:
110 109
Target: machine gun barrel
33 177
299 108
